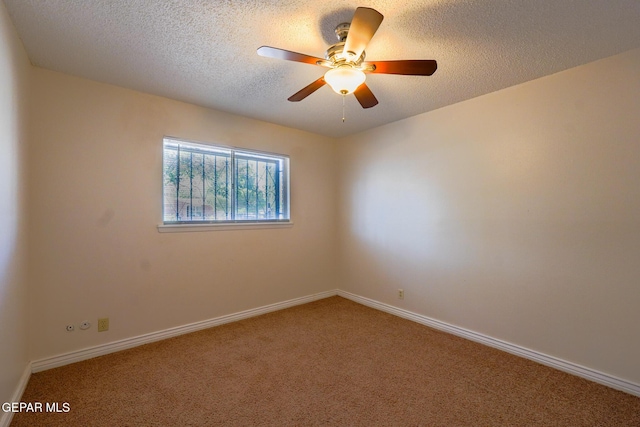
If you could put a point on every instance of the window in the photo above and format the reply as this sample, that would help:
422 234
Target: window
212 184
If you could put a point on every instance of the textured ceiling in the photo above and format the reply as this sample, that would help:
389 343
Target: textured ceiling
204 51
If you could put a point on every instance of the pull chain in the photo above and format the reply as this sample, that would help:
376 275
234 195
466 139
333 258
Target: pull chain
343 97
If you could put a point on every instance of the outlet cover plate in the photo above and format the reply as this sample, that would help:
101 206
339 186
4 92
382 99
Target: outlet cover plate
103 324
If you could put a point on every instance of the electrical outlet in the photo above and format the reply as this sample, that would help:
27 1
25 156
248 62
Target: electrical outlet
400 293
70 328
85 325
103 324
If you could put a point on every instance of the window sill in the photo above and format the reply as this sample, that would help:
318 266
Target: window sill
185 228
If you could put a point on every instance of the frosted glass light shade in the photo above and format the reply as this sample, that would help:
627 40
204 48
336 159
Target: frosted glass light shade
344 80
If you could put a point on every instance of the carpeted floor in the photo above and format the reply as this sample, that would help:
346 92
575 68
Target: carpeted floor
330 362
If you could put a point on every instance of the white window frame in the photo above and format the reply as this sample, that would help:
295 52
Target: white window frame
232 223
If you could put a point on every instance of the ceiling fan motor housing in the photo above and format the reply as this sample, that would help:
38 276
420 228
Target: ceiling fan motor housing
336 53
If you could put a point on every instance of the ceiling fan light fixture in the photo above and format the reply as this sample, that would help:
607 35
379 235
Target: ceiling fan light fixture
344 79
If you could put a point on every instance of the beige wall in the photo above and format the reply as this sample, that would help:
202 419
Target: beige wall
95 197
515 215
14 73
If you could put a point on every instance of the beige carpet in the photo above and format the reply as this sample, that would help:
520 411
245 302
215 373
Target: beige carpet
330 362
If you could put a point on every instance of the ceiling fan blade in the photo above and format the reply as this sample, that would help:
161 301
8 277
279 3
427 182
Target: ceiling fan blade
411 67
306 91
274 52
365 97
363 26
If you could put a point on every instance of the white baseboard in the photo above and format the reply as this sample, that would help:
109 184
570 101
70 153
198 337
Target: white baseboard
100 350
554 362
6 417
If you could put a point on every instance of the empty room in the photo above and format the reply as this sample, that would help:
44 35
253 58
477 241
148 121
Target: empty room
297 213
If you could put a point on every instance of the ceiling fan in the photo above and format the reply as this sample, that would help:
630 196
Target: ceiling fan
346 63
